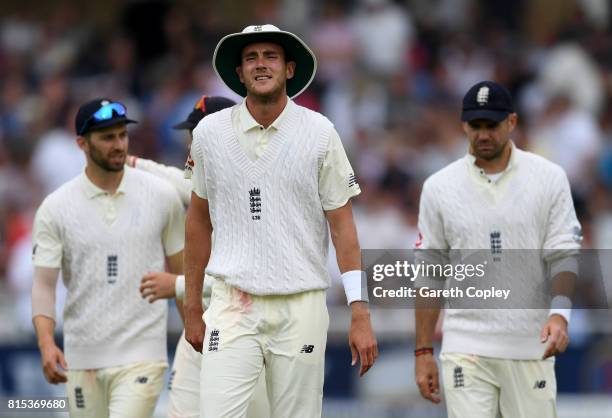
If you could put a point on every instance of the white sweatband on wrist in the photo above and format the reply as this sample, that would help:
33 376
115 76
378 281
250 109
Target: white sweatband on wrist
352 282
561 305
179 287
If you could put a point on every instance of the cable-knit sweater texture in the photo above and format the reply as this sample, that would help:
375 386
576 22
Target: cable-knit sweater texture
270 230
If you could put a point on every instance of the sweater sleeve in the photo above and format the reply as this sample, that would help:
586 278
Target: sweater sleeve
198 179
337 181
432 246
171 174
47 243
563 231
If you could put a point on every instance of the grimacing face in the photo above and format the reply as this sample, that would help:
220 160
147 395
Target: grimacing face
107 147
489 138
264 71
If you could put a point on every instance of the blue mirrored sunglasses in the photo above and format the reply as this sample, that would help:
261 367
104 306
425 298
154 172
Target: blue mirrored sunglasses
106 112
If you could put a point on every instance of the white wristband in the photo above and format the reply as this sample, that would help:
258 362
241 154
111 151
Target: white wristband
561 305
179 287
352 282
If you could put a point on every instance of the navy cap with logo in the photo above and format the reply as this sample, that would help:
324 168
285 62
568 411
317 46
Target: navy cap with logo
487 100
205 106
100 113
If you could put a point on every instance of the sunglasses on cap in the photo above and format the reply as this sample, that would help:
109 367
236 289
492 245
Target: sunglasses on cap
106 112
201 104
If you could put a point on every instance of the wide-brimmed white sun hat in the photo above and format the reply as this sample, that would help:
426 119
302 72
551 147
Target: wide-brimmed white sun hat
227 57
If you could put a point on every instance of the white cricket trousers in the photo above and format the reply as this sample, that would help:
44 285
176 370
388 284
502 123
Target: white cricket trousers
480 387
284 334
184 386
129 391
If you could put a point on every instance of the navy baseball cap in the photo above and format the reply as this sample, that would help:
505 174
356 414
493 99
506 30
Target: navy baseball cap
205 106
100 113
487 100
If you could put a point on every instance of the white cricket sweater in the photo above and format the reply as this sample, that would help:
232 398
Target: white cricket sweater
271 234
106 321
531 207
171 174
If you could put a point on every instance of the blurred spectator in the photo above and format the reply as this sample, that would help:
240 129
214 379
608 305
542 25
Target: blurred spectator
334 44
570 137
384 34
597 12
466 63
568 70
452 15
57 157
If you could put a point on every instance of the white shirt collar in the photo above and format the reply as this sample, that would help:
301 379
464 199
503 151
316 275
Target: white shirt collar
92 191
247 122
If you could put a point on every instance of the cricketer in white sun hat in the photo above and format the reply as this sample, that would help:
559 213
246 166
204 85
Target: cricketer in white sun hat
227 57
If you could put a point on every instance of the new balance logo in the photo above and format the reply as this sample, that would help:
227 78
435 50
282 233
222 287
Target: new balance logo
112 268
213 341
255 203
142 380
307 349
539 384
458 377
352 180
79 398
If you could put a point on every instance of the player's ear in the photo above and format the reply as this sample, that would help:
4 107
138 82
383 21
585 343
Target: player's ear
290 72
82 142
512 121
239 72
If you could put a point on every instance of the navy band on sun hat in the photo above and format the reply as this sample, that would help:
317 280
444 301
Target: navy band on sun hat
227 57
487 100
205 106
100 113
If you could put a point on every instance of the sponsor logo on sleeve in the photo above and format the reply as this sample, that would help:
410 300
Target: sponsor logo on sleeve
189 165
419 241
577 234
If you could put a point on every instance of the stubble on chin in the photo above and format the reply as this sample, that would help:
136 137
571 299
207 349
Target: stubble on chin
106 165
268 97
490 155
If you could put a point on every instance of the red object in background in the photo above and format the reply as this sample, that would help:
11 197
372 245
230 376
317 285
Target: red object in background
309 100
18 226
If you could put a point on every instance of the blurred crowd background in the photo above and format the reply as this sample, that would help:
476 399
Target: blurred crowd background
391 76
